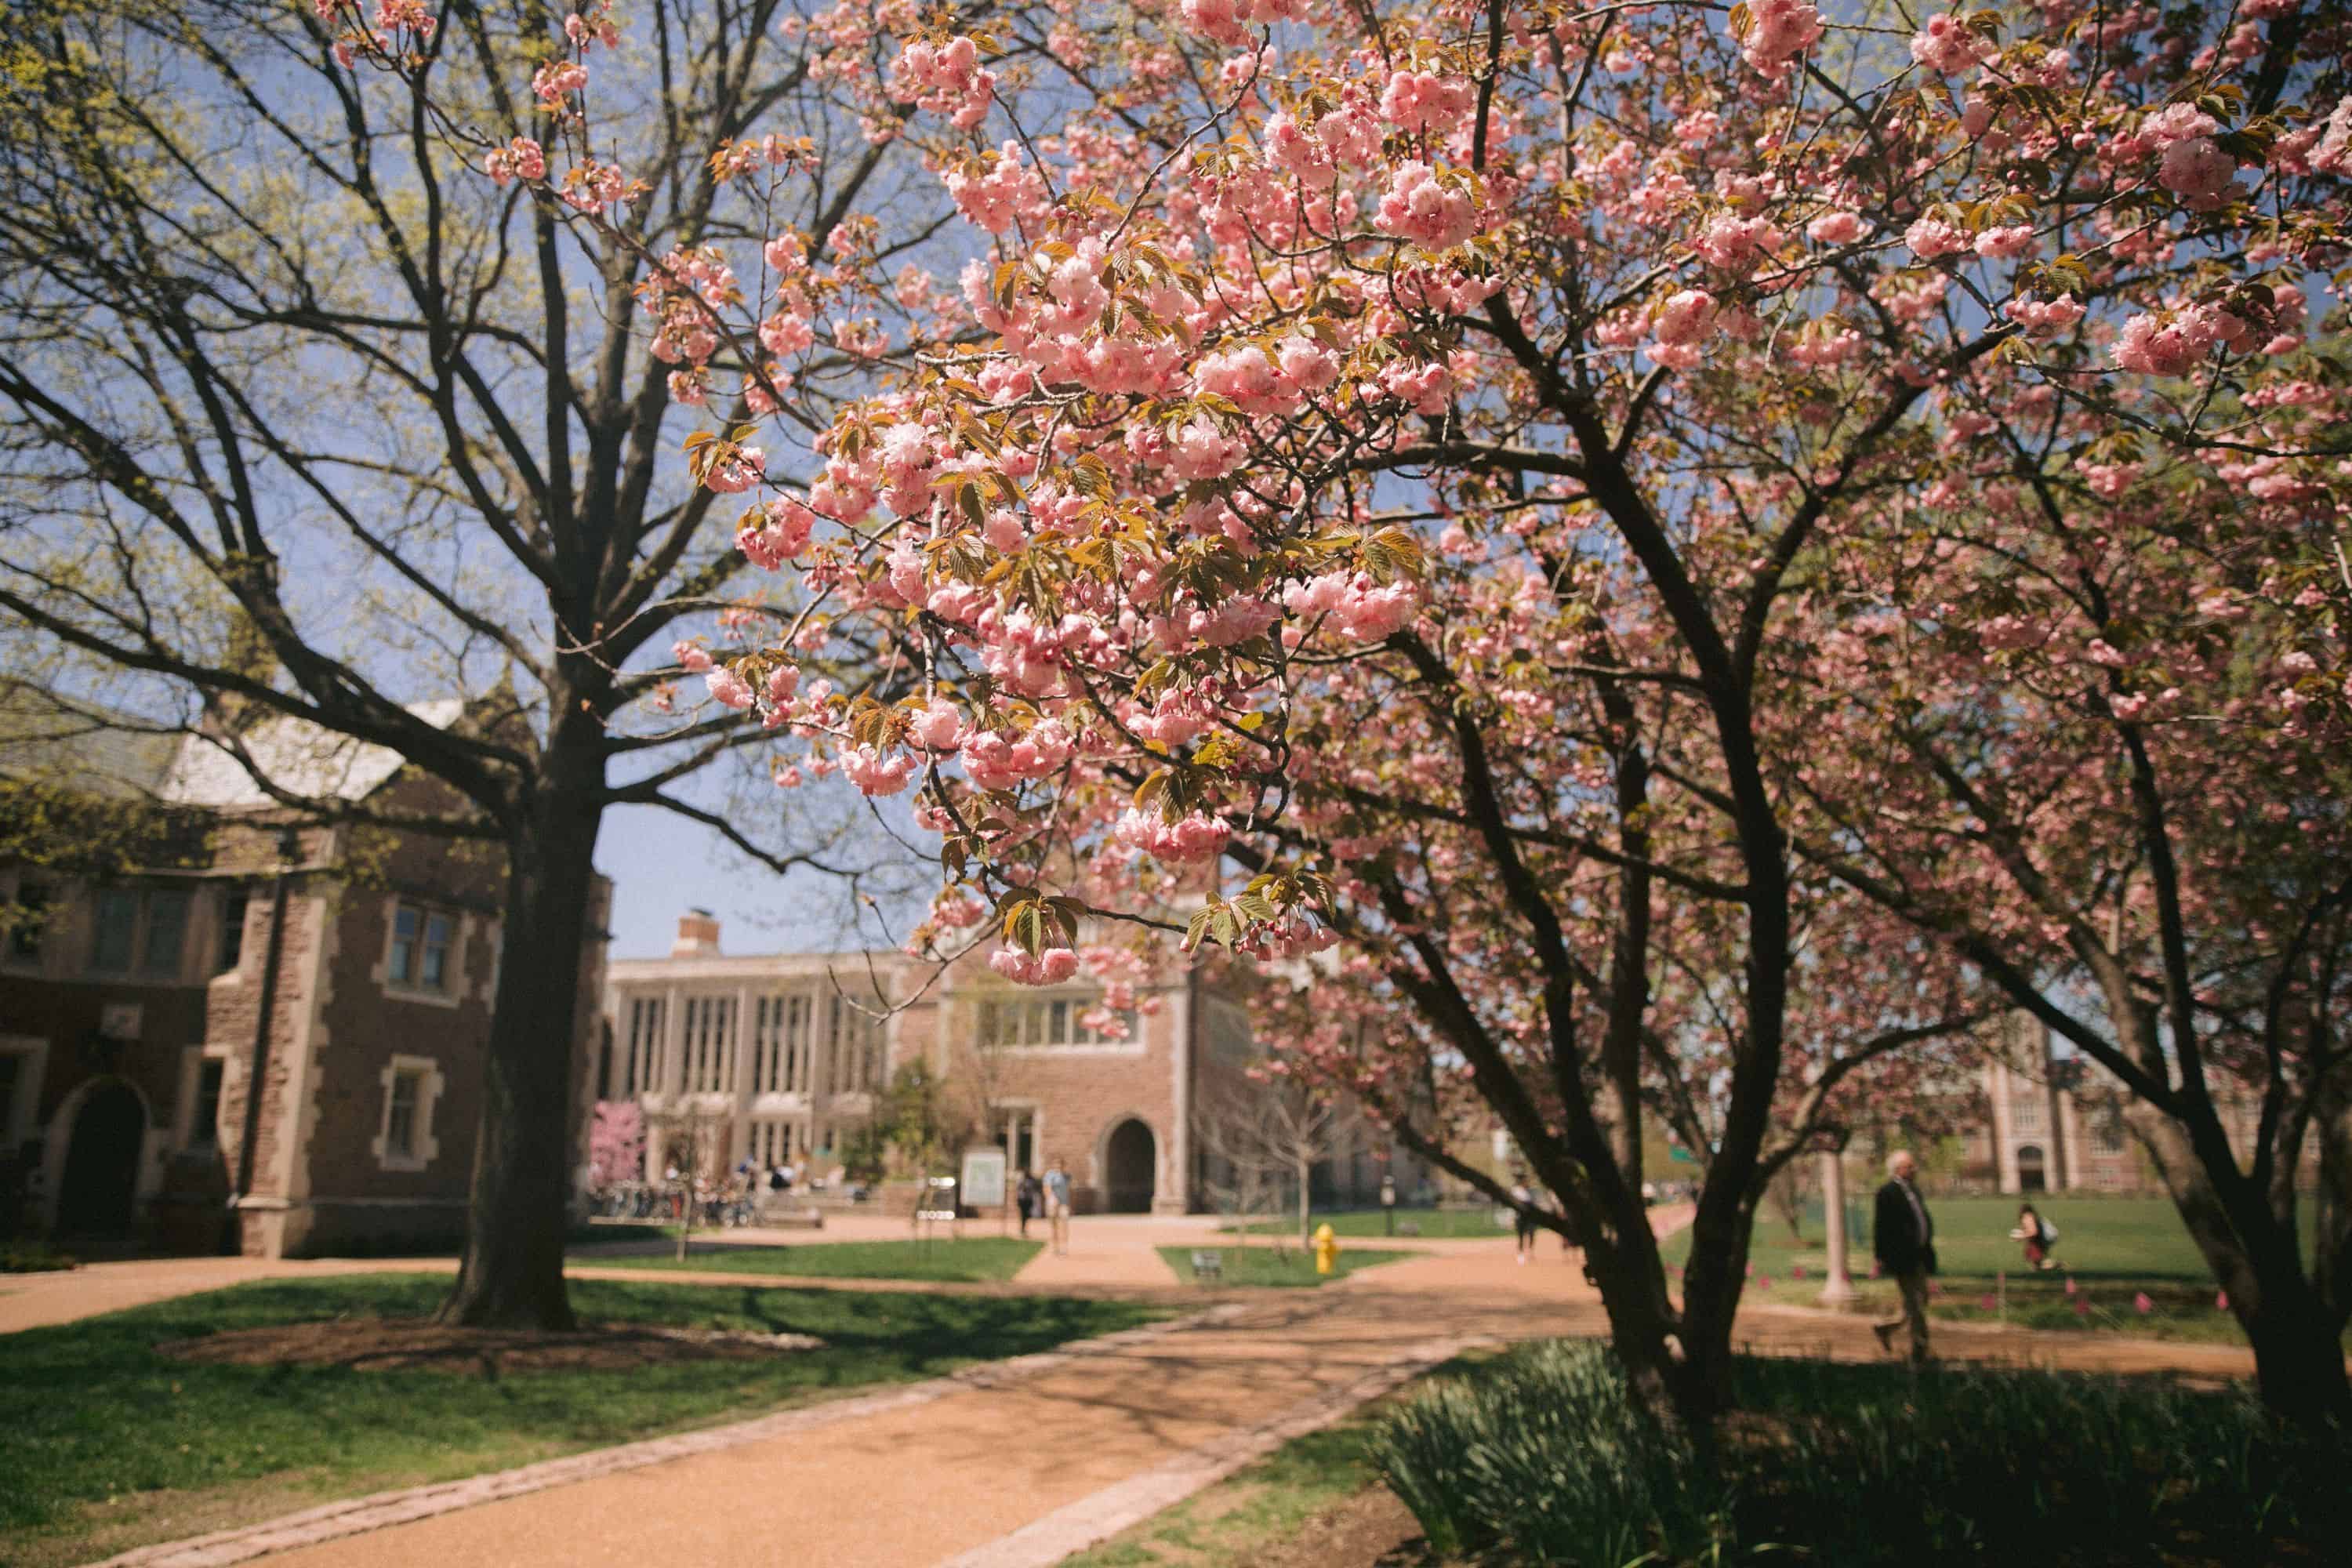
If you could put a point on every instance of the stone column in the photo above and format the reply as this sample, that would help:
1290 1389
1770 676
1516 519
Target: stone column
1838 1290
746 1054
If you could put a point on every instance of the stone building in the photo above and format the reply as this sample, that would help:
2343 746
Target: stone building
347 971
785 1052
2056 1123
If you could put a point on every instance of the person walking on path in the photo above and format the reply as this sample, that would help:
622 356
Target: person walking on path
1026 1195
2040 1237
1058 1206
1523 1216
1903 1237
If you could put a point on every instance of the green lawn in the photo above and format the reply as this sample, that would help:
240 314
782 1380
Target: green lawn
1440 1223
965 1260
1290 1269
109 1445
2114 1250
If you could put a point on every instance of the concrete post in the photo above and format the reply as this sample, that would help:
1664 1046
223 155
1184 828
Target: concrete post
1839 1288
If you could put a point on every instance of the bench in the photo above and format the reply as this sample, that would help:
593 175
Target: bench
777 1217
1208 1265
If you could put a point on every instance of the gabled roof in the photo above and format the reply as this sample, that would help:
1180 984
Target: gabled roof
297 756
91 748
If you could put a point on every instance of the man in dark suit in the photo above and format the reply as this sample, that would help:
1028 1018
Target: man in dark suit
1903 1237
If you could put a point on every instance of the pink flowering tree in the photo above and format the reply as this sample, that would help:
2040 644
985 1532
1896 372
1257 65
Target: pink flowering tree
2102 739
344 380
1383 503
617 1141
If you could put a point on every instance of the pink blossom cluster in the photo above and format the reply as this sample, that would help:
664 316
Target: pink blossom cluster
1189 840
996 189
776 534
944 80
1945 45
1229 21
1419 208
1424 101
2043 318
1684 321
992 762
1777 32
1050 967
520 159
1738 243
875 772
1361 609
2174 343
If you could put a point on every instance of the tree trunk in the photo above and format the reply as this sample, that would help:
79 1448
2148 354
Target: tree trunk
1304 1237
2296 1335
512 1275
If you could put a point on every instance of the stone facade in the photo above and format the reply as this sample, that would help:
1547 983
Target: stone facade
349 970
781 1055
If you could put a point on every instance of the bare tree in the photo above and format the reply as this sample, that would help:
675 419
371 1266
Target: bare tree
1270 1131
308 418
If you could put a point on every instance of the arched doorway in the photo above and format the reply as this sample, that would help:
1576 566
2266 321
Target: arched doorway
102 1162
1131 1159
2032 1169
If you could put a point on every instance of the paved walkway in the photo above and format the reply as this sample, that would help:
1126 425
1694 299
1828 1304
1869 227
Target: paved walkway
1015 1466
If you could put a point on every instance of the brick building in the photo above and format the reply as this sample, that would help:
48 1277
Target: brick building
786 1051
348 970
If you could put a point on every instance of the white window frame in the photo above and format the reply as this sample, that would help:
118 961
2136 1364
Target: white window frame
451 991
422 1145
1079 1002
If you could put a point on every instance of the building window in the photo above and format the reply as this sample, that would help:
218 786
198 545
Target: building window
32 913
204 1131
1051 1021
167 933
2110 1131
117 931
234 906
405 1140
420 949
400 1120
2025 1114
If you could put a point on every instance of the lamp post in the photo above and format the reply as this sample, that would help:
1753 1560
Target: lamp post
1838 1290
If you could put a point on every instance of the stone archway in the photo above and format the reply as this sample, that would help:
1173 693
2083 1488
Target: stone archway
2032 1169
1130 1168
102 1152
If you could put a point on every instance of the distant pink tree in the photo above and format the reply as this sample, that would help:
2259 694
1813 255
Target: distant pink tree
616 1141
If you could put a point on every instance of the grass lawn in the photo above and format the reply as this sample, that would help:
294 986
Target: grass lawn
1242 1520
1234 1523
110 1445
1290 1269
2114 1249
1441 1224
972 1259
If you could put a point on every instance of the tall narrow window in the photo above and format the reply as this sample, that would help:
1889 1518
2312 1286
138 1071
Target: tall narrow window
204 1127
400 1123
117 930
234 905
167 933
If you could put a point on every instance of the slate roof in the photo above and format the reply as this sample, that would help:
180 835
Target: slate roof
85 751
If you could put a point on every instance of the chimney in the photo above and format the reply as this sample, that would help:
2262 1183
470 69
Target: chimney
698 936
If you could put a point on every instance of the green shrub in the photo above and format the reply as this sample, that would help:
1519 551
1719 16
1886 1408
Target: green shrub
32 1255
1540 1459
1542 1454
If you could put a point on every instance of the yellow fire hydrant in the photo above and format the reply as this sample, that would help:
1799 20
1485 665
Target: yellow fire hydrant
1327 1250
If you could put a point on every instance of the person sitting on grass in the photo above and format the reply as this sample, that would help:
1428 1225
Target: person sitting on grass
2040 1237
